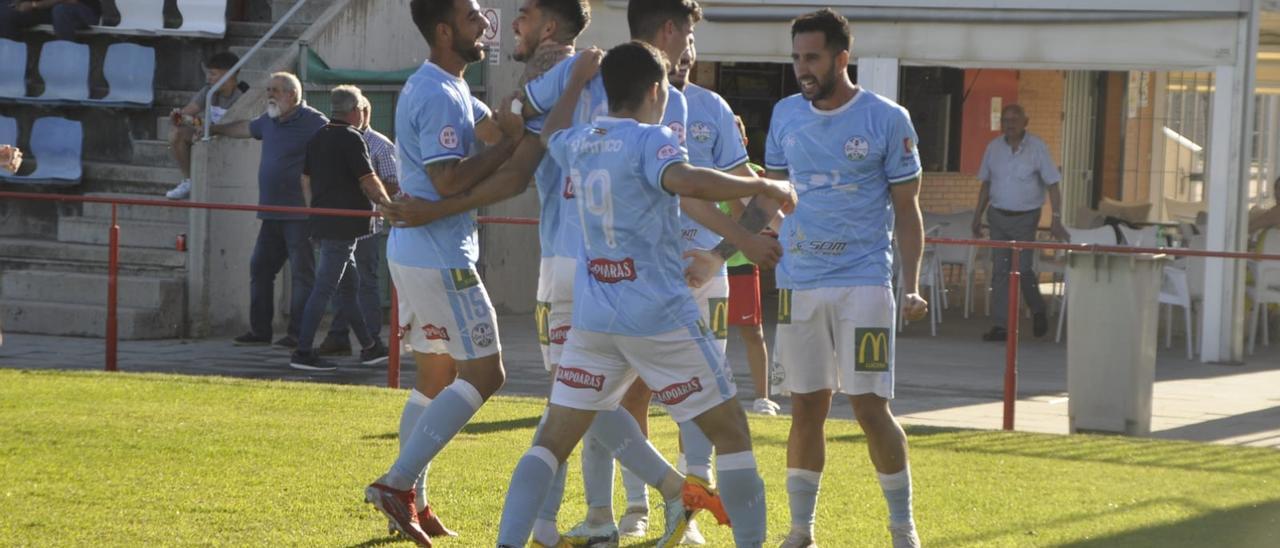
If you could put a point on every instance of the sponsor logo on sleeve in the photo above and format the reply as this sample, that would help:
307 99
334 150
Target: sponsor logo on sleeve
873 349
559 335
449 137
483 335
856 148
435 333
667 152
579 378
678 129
908 146
679 392
612 272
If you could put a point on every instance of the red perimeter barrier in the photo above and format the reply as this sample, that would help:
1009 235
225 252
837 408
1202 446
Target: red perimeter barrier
393 368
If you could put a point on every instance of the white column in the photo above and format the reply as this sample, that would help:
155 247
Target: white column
879 75
1227 177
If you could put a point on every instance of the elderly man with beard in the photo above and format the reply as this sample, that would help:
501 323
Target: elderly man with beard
285 129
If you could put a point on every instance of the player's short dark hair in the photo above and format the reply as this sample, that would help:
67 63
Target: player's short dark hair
429 13
831 24
645 17
629 70
223 60
574 14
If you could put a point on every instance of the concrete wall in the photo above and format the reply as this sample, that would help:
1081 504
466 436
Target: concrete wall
372 35
221 242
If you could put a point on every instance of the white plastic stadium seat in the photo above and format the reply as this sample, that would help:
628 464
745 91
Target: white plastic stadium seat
202 17
140 16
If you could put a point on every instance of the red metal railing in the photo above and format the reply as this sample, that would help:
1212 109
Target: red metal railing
393 368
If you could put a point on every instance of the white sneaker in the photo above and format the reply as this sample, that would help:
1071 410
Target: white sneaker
798 540
593 536
904 535
634 523
180 192
765 406
677 521
692 535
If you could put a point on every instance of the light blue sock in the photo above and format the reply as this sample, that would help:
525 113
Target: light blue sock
529 485
637 490
449 413
697 450
897 492
742 491
619 432
597 473
802 492
418 402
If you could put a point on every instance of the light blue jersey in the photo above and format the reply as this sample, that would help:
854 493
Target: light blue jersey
713 142
842 163
560 231
435 122
630 277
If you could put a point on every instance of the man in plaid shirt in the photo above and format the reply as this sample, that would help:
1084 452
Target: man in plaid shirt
368 249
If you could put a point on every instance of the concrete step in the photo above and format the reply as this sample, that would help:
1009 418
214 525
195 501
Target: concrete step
75 257
262 60
152 152
306 14
45 318
130 179
132 233
127 214
147 292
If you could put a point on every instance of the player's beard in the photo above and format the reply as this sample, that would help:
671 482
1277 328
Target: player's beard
826 85
525 49
467 49
273 110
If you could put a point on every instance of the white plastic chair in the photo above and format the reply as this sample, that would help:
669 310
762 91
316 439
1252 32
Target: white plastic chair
202 18
139 17
1182 285
954 225
1141 237
1265 289
1103 235
931 277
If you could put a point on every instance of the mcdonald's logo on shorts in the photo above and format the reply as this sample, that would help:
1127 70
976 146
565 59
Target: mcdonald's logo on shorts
542 319
719 309
463 278
784 306
873 349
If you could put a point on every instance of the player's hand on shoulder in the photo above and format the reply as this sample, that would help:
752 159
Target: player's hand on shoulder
703 266
783 192
510 123
588 64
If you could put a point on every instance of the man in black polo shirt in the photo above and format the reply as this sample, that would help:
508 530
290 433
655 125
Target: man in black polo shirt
338 175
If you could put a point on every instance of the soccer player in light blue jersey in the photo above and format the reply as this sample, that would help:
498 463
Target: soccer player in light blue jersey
447 316
633 315
852 157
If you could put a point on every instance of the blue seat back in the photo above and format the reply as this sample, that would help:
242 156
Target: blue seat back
56 144
8 131
130 71
13 69
65 68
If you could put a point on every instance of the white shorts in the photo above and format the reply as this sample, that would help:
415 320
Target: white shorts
835 338
445 311
713 306
555 306
685 369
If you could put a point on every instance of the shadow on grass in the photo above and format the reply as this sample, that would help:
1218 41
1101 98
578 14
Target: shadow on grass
1255 525
389 539
382 437
501 426
1097 448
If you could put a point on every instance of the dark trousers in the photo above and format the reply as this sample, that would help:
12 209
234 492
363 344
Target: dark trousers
279 241
338 274
368 260
1013 227
66 19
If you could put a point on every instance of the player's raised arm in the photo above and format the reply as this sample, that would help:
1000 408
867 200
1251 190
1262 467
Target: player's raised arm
585 67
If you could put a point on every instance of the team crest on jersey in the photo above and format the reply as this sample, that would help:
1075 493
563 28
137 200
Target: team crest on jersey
679 392
701 132
482 335
667 152
678 128
856 148
579 378
449 137
612 272
908 146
